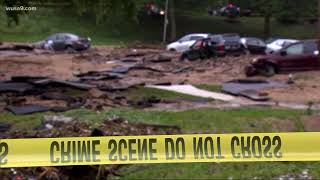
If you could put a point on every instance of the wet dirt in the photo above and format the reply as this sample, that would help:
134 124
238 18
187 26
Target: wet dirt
304 90
61 126
101 58
311 123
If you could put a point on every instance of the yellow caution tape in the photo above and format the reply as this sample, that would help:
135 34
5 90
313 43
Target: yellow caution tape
160 149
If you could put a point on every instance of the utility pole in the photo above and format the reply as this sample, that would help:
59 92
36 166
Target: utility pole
318 26
166 22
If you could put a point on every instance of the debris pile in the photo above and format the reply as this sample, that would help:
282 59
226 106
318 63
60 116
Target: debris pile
16 47
25 95
61 126
249 88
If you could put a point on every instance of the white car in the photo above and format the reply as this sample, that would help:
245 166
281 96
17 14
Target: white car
185 42
278 44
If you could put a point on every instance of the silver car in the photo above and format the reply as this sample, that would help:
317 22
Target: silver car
65 41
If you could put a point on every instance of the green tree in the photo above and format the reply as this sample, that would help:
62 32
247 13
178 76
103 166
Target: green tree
172 18
267 8
13 16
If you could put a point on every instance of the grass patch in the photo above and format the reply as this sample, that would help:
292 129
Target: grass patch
209 87
304 77
260 170
26 122
191 121
196 121
140 93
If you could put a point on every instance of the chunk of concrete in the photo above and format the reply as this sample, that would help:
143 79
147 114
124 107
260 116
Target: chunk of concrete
15 87
250 88
27 109
236 86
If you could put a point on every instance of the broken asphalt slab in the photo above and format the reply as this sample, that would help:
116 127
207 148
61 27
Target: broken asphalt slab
29 83
27 109
16 47
191 90
46 82
15 87
249 88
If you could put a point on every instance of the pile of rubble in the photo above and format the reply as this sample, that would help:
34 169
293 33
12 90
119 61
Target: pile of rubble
61 126
16 47
24 95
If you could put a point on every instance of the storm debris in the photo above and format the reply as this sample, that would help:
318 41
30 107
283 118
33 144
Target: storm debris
61 126
27 109
15 87
249 88
16 47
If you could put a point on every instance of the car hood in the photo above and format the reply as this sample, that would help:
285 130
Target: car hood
268 56
172 44
273 46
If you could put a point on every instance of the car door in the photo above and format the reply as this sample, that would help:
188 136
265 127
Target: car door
181 43
293 58
312 55
257 46
191 40
59 42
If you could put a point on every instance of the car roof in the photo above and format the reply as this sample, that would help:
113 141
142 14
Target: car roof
310 40
225 34
304 41
64 34
251 38
198 34
291 40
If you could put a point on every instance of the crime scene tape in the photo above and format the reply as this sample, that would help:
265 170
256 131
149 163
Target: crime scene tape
160 149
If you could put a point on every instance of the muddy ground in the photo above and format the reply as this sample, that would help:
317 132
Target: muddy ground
137 66
100 58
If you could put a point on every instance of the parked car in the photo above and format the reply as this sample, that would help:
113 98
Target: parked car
253 45
65 41
184 43
153 9
278 44
246 12
299 56
220 11
227 44
201 49
230 10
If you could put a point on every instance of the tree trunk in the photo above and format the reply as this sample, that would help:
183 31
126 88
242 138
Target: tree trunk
267 21
164 40
172 15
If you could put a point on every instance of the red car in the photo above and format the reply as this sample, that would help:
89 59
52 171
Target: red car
299 56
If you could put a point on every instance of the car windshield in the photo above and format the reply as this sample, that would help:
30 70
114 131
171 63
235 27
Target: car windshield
70 36
184 38
295 49
271 40
255 41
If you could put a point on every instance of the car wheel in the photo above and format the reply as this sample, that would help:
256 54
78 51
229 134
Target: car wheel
184 57
172 50
69 49
248 52
250 71
268 70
